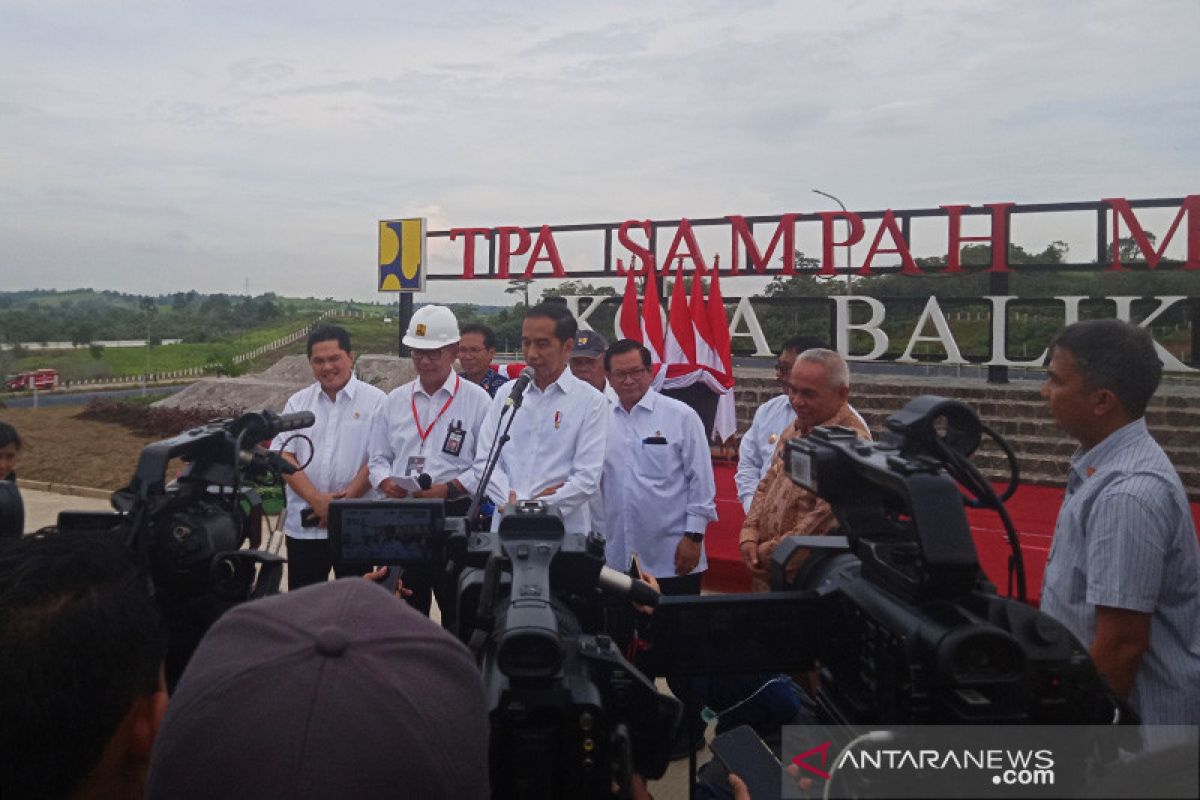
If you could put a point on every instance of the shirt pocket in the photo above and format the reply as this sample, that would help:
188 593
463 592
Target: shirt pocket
656 461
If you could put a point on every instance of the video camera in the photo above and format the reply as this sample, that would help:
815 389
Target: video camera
895 612
188 535
570 715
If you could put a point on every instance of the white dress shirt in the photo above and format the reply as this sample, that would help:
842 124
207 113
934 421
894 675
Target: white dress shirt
758 445
596 504
396 442
339 443
655 492
557 437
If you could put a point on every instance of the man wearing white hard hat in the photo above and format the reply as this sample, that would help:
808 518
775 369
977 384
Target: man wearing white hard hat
423 438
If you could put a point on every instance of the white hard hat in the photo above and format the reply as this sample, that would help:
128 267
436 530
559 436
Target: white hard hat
432 327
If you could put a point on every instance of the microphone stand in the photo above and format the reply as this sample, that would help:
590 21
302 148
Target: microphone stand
492 460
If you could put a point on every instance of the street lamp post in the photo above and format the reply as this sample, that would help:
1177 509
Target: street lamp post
849 233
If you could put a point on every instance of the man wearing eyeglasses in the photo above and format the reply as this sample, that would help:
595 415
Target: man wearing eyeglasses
476 350
659 493
426 430
761 439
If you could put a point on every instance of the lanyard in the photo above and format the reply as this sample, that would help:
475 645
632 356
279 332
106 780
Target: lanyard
424 434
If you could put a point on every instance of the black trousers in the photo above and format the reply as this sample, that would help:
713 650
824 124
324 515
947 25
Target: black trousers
309 562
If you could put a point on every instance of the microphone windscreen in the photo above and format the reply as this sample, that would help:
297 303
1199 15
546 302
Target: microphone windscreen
424 481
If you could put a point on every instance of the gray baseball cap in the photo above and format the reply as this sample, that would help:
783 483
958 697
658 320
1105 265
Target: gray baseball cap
334 690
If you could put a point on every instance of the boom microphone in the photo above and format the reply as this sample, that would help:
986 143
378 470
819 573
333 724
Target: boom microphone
424 481
519 386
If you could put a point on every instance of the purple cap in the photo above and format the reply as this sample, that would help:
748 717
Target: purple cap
333 690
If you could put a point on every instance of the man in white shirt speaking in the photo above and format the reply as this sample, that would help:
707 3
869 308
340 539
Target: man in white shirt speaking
659 493
332 453
427 429
556 446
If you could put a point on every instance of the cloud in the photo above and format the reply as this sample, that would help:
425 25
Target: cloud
207 142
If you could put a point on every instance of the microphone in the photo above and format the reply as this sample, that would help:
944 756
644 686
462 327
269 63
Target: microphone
424 481
618 583
519 386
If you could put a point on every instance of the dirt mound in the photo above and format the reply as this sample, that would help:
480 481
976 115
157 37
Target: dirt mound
271 388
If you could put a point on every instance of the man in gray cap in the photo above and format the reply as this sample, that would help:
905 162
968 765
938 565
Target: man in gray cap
587 362
335 690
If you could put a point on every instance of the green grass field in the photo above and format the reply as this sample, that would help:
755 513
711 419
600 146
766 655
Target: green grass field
370 335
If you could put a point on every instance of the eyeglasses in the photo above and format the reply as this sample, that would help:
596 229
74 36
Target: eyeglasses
627 374
427 355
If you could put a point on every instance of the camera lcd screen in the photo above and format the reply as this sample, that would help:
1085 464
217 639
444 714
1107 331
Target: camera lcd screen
800 468
393 532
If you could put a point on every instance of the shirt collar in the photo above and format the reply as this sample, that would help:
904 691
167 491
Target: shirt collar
566 383
348 390
648 401
447 385
1085 462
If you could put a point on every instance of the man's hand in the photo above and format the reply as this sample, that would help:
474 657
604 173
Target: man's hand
381 573
1122 638
687 555
320 507
549 490
652 581
389 487
765 551
439 491
750 558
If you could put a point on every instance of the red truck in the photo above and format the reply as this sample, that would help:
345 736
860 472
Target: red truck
40 379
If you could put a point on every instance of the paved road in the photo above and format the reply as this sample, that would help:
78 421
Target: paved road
81 398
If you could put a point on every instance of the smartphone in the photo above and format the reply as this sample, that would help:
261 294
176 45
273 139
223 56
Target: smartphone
741 752
308 518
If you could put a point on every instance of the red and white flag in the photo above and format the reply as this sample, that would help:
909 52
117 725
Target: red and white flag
680 355
718 324
706 352
652 328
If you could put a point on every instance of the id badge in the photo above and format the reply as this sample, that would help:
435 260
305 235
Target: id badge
415 466
454 441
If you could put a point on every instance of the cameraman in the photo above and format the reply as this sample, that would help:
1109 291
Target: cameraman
335 690
10 445
12 510
81 668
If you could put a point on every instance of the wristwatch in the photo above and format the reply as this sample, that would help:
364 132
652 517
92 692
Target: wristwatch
698 538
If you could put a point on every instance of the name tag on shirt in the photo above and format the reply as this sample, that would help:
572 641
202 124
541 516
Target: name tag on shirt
654 440
415 466
454 440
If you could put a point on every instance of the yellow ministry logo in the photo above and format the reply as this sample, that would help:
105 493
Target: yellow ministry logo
402 255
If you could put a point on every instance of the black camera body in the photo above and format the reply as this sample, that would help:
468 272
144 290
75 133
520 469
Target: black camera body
569 713
917 634
188 535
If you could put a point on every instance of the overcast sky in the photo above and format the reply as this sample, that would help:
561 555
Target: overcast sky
156 147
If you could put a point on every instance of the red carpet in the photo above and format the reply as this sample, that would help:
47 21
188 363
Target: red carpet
1033 510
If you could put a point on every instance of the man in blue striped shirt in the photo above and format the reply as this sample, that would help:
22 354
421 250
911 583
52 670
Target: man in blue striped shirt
1124 569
